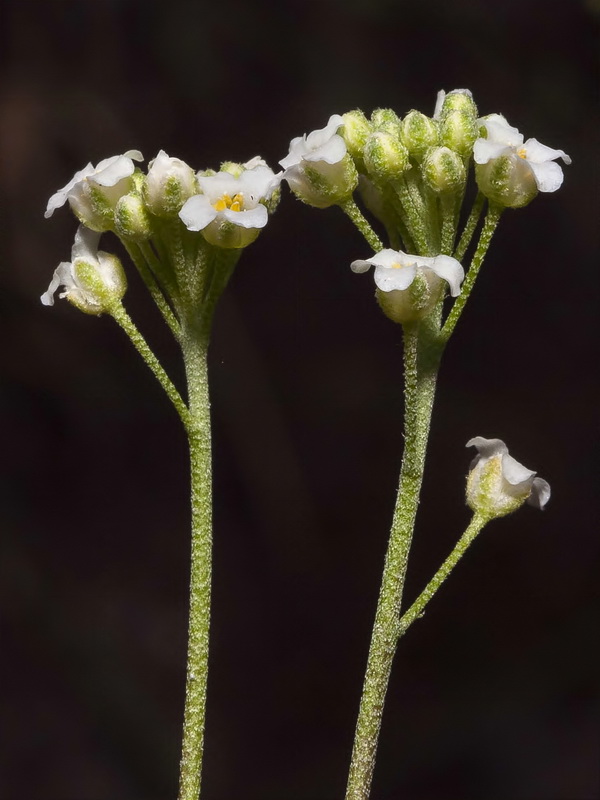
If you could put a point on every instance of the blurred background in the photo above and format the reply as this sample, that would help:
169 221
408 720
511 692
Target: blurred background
494 693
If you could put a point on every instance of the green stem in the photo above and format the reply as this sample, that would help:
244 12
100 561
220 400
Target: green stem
124 320
448 204
148 276
489 226
469 228
421 362
416 610
412 209
194 346
353 211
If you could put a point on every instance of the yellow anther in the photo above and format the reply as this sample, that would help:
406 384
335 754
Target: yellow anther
235 203
522 152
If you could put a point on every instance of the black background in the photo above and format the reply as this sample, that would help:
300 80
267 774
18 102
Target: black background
494 694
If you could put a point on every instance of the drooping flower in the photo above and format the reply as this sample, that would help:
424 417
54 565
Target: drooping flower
318 168
510 171
497 484
169 183
93 192
92 280
232 209
409 286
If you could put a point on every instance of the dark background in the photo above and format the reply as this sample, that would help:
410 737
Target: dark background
494 694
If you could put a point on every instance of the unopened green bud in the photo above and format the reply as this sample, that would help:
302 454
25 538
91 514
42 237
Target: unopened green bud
458 131
443 170
355 132
386 159
507 181
384 119
418 134
132 220
456 100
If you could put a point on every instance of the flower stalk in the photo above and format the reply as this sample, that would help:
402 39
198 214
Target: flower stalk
421 361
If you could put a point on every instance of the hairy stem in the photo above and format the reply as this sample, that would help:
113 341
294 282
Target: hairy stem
420 370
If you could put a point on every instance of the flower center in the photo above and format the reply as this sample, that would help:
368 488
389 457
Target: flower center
396 265
522 152
235 203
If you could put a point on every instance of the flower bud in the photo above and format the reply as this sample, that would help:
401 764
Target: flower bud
458 131
385 157
132 220
507 181
456 100
418 134
443 170
355 132
170 182
497 484
93 280
384 119
318 168
101 283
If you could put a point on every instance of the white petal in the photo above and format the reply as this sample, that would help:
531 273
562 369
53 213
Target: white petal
252 218
297 150
548 175
451 271
318 138
488 447
360 266
197 212
498 130
441 96
515 473
537 152
484 150
215 186
258 183
389 279
330 152
112 170
61 273
540 493
387 258
85 244
60 197
135 155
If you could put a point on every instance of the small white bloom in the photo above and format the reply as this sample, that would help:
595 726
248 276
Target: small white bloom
497 484
111 180
231 210
527 157
318 168
170 182
408 286
89 274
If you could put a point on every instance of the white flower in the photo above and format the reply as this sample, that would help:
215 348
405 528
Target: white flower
170 182
231 210
497 484
318 168
90 279
408 286
110 179
532 163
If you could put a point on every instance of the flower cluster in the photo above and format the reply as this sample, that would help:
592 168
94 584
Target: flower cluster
154 212
411 174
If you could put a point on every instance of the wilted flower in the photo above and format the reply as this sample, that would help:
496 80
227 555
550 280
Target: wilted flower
497 484
94 191
92 280
510 171
318 168
231 210
408 286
